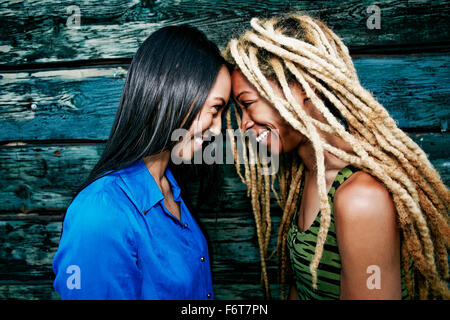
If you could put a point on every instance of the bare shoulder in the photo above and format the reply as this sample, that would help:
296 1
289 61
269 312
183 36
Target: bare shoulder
364 198
367 235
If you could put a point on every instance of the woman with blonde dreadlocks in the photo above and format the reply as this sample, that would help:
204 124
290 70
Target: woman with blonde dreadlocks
365 214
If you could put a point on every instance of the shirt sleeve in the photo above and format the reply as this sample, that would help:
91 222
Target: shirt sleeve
96 257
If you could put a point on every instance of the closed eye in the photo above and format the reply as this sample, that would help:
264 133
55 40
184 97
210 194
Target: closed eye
246 104
218 106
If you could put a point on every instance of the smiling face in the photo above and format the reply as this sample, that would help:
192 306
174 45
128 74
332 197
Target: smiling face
209 120
259 115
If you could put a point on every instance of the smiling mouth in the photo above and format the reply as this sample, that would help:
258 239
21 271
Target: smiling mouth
262 135
198 141
202 138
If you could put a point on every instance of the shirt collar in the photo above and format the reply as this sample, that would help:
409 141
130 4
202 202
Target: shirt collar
139 185
173 184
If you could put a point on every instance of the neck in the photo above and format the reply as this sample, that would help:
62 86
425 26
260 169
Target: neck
157 164
307 154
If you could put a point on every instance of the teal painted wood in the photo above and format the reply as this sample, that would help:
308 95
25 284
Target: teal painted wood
81 103
410 88
70 104
41 290
39 178
36 31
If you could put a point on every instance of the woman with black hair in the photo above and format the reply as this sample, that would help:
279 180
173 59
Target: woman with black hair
128 233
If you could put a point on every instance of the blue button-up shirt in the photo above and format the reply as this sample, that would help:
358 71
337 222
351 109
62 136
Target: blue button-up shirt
120 242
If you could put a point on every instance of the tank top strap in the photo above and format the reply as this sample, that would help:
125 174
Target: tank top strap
341 177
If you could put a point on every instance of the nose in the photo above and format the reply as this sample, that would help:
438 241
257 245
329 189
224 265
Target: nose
216 127
247 123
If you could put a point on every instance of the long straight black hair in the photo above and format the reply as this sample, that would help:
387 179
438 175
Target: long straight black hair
168 82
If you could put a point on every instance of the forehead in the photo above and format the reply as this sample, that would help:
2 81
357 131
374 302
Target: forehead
222 85
240 83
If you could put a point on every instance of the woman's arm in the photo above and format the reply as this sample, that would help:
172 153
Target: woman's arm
368 240
96 258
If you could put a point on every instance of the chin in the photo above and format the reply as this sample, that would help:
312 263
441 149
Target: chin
186 158
271 149
185 154
273 144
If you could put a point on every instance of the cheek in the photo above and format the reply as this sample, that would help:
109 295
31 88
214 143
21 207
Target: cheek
266 116
259 115
205 122
288 137
196 127
291 138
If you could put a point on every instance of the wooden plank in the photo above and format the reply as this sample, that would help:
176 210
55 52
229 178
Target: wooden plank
27 250
68 103
39 169
81 103
44 177
26 291
37 31
408 88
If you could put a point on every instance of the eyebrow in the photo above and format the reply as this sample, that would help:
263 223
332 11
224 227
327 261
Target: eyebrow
223 104
237 97
221 99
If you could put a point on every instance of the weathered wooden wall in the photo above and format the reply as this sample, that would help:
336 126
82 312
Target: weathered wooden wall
60 87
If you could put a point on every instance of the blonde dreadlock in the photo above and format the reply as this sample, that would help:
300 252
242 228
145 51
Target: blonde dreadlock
299 48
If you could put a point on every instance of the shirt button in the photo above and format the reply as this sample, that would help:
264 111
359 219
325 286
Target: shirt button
202 259
185 225
209 295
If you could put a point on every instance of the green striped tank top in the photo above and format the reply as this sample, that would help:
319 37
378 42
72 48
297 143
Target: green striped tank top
301 246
